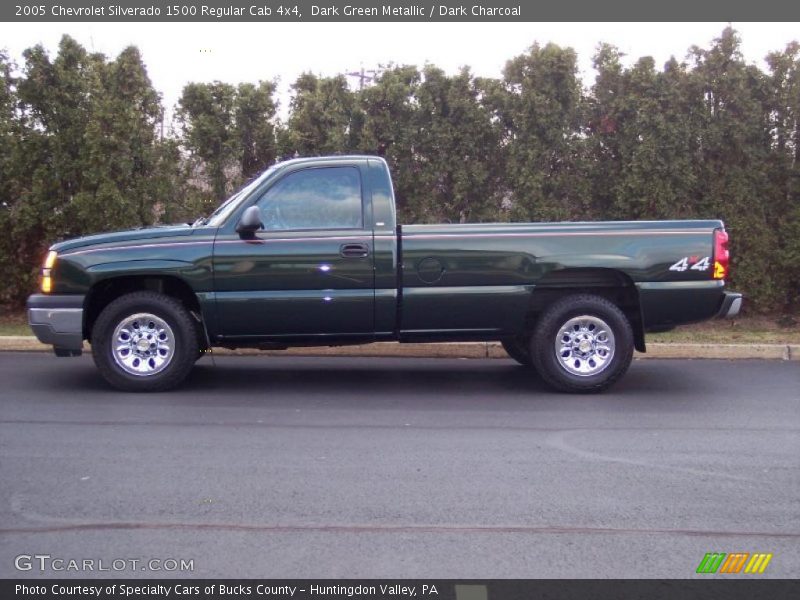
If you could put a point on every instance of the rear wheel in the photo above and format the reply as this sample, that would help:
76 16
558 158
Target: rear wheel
144 342
582 343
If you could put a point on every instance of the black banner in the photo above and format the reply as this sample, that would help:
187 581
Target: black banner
281 11
371 589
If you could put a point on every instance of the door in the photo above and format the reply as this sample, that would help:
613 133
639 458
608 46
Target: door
309 272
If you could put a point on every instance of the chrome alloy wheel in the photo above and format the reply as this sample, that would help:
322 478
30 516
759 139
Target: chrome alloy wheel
585 345
143 344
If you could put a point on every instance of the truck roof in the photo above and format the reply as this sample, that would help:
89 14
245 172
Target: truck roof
335 157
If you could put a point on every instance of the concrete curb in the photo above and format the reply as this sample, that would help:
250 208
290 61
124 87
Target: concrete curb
21 343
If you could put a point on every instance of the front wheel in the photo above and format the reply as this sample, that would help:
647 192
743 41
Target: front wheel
144 342
582 343
518 349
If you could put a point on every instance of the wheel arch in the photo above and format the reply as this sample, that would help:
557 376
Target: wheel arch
612 284
109 289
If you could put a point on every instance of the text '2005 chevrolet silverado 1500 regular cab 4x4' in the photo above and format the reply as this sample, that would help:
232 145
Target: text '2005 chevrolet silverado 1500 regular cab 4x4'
309 253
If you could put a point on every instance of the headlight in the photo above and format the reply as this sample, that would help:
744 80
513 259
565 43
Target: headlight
47 279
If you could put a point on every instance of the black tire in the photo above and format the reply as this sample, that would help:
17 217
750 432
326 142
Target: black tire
519 350
184 346
556 365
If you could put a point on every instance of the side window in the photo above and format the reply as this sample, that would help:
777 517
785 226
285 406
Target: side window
323 198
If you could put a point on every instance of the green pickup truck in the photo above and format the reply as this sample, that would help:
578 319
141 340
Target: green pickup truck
310 254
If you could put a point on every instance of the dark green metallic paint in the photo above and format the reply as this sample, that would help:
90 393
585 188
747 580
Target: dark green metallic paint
284 283
435 282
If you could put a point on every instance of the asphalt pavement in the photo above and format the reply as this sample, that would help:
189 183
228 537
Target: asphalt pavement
397 467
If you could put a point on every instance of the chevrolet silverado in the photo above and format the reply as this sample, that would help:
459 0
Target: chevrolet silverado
310 254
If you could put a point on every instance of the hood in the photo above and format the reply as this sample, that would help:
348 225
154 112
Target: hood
124 236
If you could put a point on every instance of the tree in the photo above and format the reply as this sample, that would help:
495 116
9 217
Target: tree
85 156
644 142
10 135
255 131
389 107
732 170
542 112
324 117
121 156
230 134
455 150
784 123
207 113
82 147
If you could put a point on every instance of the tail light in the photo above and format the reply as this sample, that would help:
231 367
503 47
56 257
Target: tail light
721 254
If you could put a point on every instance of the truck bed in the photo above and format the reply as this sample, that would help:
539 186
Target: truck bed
477 279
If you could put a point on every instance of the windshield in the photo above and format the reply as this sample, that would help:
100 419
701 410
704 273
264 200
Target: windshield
227 207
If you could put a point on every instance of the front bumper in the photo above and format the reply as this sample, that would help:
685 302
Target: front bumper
58 320
731 305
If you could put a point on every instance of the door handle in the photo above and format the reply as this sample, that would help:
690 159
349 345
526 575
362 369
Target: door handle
358 250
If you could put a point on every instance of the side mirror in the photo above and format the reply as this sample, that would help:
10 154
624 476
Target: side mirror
250 221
